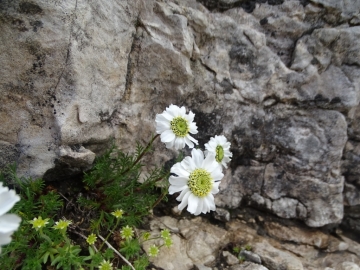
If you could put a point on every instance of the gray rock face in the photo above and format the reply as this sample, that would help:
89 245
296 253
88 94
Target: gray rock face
198 244
63 75
280 79
248 266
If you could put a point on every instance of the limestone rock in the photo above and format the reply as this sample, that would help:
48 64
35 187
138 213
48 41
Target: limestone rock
305 251
353 246
274 258
240 232
248 266
222 214
336 245
202 240
251 256
280 79
177 252
340 261
292 148
275 244
297 235
348 266
198 244
201 267
351 169
229 258
77 157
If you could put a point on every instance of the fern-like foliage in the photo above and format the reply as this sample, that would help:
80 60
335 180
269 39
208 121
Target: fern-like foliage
116 179
34 202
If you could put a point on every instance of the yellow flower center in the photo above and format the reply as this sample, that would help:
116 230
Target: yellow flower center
219 153
200 182
180 126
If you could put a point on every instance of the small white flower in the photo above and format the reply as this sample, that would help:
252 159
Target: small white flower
220 147
174 125
197 179
8 222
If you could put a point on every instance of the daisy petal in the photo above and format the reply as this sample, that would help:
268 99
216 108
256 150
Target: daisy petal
178 181
173 110
9 223
174 189
167 136
205 207
188 142
169 144
5 238
179 143
199 208
182 111
161 127
216 174
198 157
193 128
193 202
215 188
184 201
209 162
211 203
7 200
192 139
188 164
162 118
182 194
191 116
179 170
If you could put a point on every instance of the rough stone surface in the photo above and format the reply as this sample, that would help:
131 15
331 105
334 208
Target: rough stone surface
347 266
248 266
297 235
80 157
195 242
222 214
250 256
280 79
201 267
230 258
274 258
353 246
271 243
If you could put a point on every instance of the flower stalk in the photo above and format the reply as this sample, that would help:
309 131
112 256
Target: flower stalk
117 252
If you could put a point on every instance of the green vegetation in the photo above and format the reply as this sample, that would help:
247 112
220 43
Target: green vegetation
115 197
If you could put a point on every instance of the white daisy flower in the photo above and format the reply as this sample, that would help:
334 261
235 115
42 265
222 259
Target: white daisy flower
8 222
220 147
174 125
197 179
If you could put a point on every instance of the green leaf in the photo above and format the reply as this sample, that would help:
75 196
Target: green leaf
45 257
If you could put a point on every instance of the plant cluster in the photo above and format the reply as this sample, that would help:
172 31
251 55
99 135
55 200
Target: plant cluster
198 177
238 251
116 196
116 200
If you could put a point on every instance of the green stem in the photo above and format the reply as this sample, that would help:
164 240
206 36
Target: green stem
159 200
154 238
47 238
117 252
146 184
148 146
67 240
143 152
107 237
